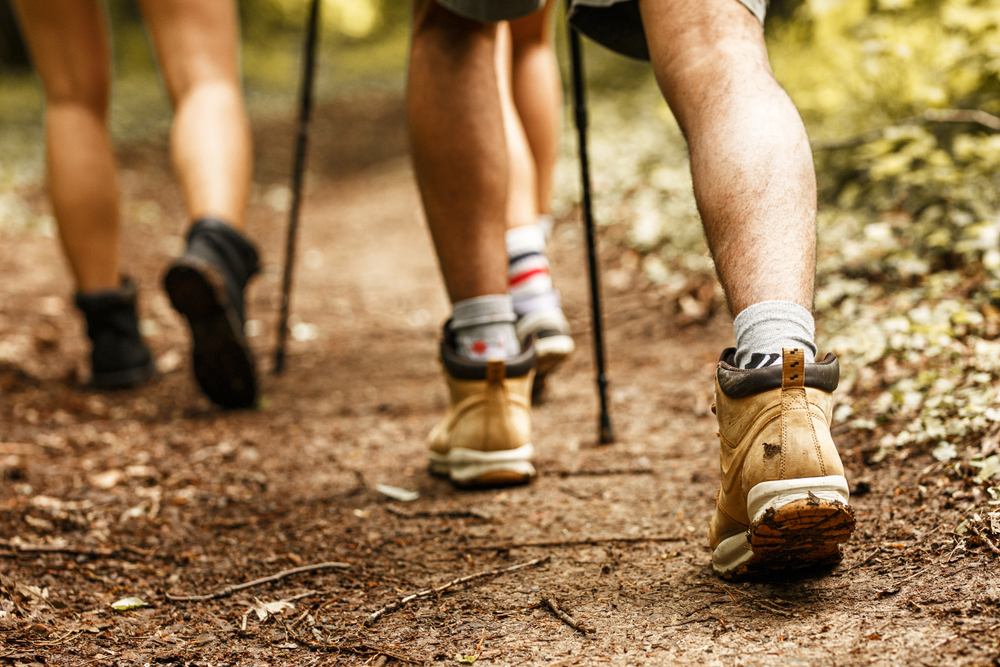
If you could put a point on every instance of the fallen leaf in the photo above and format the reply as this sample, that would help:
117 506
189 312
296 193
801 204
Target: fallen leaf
396 493
265 609
128 604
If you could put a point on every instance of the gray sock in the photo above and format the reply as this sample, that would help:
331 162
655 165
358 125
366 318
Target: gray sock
763 329
484 327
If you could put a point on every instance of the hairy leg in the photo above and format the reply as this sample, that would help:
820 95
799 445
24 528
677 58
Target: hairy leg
459 155
522 202
754 179
537 92
197 45
69 46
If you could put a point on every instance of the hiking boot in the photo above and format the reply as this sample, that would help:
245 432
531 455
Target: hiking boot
783 501
553 342
118 356
485 437
206 285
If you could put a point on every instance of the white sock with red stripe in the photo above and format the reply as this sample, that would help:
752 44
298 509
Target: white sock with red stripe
528 279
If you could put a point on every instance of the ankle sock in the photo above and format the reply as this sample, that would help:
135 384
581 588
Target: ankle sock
528 279
484 327
547 223
763 329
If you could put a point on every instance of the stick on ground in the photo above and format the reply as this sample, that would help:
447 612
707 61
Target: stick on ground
566 618
507 546
373 618
92 552
233 588
351 645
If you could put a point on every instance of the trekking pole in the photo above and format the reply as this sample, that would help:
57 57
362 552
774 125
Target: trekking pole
606 435
298 169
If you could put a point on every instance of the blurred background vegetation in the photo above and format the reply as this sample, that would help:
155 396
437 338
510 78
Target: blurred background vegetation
909 258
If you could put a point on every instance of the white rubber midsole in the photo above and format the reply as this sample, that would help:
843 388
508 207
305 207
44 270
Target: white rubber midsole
467 464
736 550
554 346
731 552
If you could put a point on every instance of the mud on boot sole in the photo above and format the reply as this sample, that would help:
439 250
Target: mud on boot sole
223 363
797 524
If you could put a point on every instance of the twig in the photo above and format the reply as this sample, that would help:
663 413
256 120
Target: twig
444 514
569 543
566 618
985 539
877 551
357 648
373 618
229 590
915 574
770 607
92 552
600 473
892 590
989 121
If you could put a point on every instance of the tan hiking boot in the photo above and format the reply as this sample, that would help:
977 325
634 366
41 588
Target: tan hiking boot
783 501
485 437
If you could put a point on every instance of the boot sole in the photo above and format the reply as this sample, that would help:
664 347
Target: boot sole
469 468
123 379
797 524
552 351
223 363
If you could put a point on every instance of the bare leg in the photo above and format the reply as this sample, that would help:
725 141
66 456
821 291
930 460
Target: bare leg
537 92
456 130
754 179
69 46
198 50
522 195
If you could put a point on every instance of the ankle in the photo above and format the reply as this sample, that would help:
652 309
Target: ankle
765 328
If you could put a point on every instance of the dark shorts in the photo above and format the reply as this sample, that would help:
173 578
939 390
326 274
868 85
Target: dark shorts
614 23
617 24
491 11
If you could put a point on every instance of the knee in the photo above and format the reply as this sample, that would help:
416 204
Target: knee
219 93
87 88
438 28
530 32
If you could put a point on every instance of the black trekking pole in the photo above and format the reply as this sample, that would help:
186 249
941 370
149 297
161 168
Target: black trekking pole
606 435
298 169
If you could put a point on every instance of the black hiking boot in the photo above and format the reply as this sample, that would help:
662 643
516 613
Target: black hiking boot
206 285
118 357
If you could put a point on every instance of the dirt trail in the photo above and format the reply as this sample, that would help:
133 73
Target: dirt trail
188 499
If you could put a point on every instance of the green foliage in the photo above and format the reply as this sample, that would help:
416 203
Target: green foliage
928 201
851 65
927 193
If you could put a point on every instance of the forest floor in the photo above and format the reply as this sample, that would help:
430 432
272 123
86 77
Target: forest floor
151 492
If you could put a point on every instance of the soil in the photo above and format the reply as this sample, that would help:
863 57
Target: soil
154 491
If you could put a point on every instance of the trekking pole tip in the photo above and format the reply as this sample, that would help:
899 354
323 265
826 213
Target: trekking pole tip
606 436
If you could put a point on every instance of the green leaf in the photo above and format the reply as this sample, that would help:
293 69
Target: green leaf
466 659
